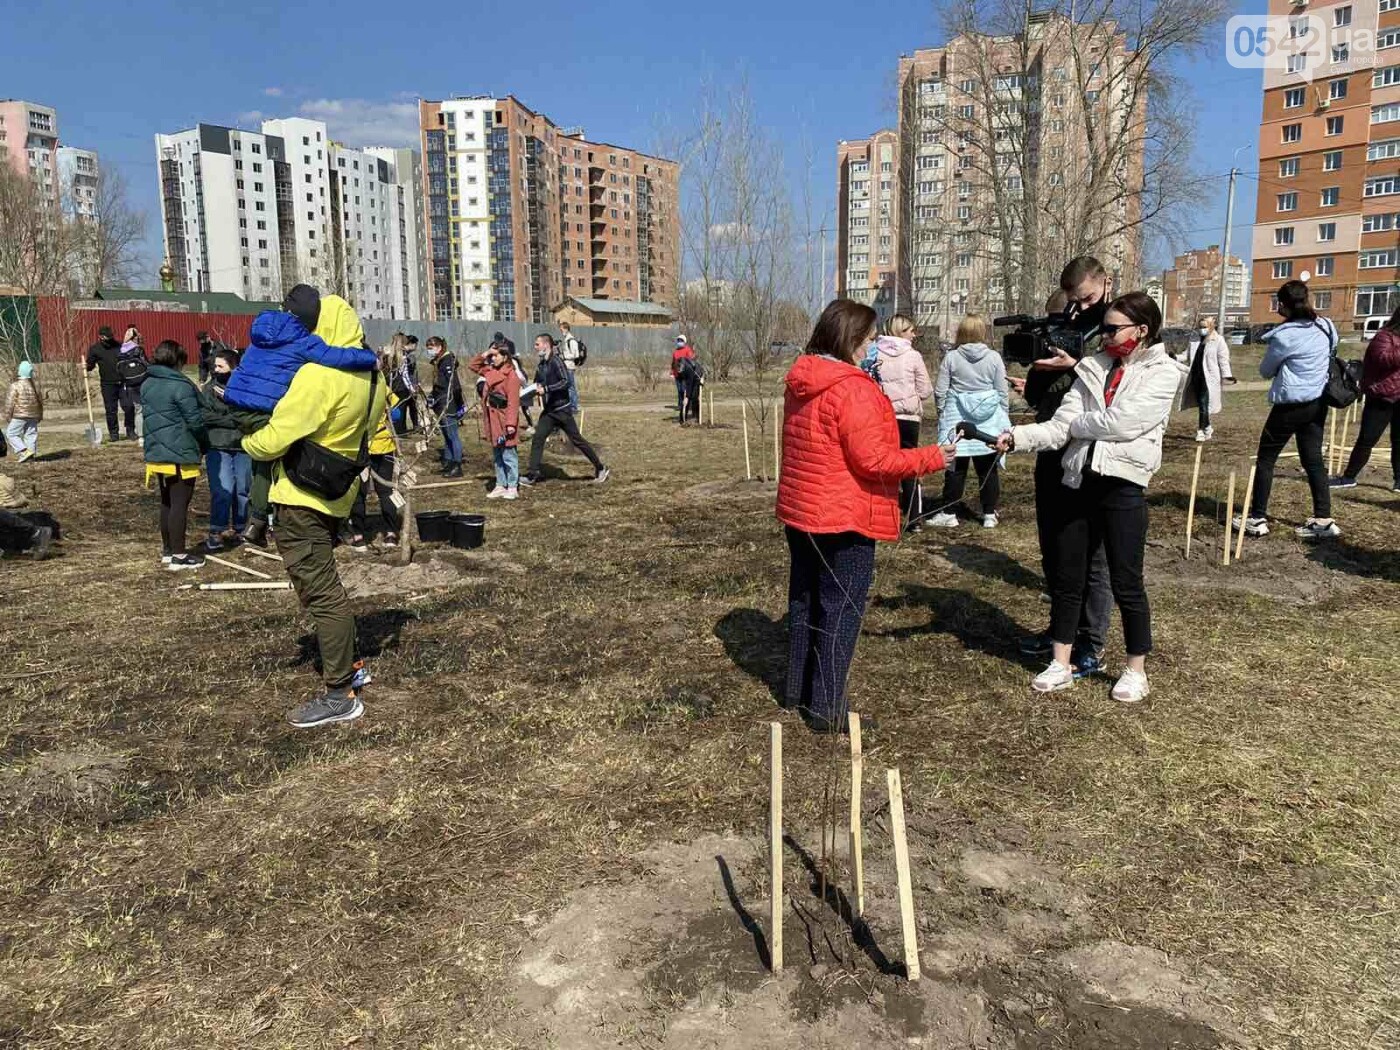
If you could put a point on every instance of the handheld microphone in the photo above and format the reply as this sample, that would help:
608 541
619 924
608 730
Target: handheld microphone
966 431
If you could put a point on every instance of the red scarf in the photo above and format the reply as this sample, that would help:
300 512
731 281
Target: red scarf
1115 377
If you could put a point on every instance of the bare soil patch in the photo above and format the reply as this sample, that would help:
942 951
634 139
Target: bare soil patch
1274 566
370 576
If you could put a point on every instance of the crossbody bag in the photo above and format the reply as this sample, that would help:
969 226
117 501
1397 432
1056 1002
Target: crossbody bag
324 471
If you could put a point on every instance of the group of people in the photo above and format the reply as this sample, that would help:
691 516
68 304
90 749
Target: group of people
851 461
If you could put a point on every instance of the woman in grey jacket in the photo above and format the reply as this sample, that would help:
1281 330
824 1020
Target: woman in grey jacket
1110 425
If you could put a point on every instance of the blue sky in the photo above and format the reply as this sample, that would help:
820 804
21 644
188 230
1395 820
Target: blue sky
626 70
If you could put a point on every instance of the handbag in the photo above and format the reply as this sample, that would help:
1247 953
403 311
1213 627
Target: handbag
1343 377
497 400
323 471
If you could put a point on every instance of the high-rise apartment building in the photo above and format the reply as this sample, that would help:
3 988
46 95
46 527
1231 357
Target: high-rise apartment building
408 251
867 214
520 214
29 144
257 212
77 179
995 182
1191 287
1329 155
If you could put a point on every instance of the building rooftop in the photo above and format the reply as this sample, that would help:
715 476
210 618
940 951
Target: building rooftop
199 302
620 306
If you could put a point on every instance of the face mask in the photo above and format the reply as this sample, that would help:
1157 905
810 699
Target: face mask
869 364
1122 350
222 377
1201 331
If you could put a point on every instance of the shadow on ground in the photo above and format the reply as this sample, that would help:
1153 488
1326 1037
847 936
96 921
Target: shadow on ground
757 646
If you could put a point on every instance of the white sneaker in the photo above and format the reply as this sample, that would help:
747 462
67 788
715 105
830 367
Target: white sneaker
509 494
1252 526
1054 678
1131 687
1317 530
1210 433
990 521
496 493
1202 436
946 520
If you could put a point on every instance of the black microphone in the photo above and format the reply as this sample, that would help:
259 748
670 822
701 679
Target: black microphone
966 431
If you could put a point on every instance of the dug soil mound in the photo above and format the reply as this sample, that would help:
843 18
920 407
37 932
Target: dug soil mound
1272 567
368 576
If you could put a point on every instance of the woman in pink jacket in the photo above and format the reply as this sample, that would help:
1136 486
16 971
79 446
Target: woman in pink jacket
904 379
1380 382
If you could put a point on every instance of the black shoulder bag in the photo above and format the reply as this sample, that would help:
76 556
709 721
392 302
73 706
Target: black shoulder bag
324 471
1343 377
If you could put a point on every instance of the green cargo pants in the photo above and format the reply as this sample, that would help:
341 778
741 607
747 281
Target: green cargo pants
304 538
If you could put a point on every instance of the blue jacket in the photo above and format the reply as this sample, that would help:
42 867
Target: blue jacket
279 345
1297 360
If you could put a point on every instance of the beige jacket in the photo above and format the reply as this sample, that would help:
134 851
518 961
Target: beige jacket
24 401
1126 438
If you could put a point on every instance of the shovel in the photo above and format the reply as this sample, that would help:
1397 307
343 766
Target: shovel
92 434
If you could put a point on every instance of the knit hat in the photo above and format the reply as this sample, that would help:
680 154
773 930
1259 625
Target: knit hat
305 302
26 369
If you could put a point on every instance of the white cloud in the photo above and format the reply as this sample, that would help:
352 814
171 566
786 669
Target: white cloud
272 92
251 119
362 122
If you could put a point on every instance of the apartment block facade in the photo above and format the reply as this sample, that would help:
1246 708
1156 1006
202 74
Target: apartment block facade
78 179
1192 286
868 214
255 212
1328 210
520 214
29 145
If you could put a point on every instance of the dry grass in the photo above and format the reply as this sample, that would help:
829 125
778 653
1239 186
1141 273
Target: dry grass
180 868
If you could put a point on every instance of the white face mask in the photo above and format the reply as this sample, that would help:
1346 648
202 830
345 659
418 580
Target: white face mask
1202 330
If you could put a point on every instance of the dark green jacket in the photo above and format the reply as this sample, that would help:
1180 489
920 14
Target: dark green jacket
224 432
172 422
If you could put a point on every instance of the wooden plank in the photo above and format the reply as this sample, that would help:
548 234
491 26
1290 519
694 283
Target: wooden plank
248 548
748 465
775 845
445 484
1191 503
1229 520
777 435
279 585
901 864
1244 509
235 565
857 844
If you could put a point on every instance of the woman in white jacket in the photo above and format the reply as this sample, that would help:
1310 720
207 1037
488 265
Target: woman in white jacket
1110 425
1208 365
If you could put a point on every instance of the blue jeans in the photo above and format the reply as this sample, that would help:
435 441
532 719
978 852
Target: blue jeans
23 435
573 391
507 467
230 479
452 443
680 398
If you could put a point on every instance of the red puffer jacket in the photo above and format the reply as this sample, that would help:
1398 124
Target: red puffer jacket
1380 370
842 463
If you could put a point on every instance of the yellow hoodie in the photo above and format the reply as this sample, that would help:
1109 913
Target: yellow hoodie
324 404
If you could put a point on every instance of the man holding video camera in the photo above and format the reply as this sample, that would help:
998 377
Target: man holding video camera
1081 302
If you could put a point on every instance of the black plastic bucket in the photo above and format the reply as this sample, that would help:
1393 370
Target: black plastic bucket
468 531
433 526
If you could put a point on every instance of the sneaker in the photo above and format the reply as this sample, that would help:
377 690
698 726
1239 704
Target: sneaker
213 545
184 562
1131 687
496 493
1210 433
337 705
256 533
390 539
602 476
527 481
945 520
1085 662
1202 436
1054 678
913 528
1036 645
1395 487
990 521
1252 526
362 676
510 494
1341 481
1318 530
165 557
357 544
39 543
23 454
453 471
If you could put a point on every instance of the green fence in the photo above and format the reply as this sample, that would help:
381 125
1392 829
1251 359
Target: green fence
19 328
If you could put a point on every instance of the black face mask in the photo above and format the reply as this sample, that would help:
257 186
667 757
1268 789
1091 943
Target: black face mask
222 378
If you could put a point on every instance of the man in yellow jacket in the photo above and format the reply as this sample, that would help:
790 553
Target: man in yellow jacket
332 408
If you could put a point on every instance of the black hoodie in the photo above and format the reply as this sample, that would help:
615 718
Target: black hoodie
102 355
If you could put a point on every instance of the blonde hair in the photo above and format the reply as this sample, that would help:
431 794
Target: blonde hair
898 325
393 354
972 329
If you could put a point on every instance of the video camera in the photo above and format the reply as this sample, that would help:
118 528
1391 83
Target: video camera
1037 338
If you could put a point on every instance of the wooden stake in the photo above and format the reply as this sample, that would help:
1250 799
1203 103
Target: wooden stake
857 846
1229 520
281 585
1191 503
901 864
1332 442
235 565
248 548
712 408
445 484
775 845
777 428
1244 510
748 466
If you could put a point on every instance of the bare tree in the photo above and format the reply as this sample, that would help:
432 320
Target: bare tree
36 244
106 238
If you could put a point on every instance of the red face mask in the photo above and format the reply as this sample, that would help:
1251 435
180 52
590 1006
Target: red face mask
1122 350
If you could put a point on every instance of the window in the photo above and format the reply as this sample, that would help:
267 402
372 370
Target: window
965 112
1288 202
1342 16
1387 77
1382 186
1294 97
965 213
1292 133
1332 160
1330 196
1334 125
1283 235
1387 38
967 87
1283 268
1380 259
262 224
1380 223
258 206
1326 231
1341 53
1386 113
1326 264
1288 168
1375 299
1297 63
1390 5
1322 300
963 259
1337 89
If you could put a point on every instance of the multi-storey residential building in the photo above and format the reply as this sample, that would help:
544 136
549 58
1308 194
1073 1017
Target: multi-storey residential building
867 217
1192 286
29 144
521 214
77 179
407 251
995 181
256 212
1329 155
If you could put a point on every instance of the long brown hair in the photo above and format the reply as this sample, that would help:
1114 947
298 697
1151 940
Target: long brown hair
1140 308
840 329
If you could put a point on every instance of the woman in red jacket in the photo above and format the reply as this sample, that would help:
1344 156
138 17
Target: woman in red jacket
1380 382
838 494
499 390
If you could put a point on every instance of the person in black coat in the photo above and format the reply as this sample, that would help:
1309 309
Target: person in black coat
552 378
446 402
102 357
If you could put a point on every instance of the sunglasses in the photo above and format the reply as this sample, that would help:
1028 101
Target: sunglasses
1113 329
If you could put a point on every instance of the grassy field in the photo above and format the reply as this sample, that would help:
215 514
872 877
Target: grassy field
180 868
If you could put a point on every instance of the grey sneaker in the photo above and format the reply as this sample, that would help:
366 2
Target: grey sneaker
337 705
602 476
1318 530
39 547
1341 481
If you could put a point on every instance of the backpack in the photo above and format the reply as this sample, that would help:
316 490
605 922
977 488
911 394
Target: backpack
580 351
1343 377
131 368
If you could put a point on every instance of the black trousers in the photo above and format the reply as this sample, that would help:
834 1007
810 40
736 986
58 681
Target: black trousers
1304 421
175 496
1201 388
827 587
988 480
1112 514
382 466
1376 415
119 394
1051 499
911 496
548 424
